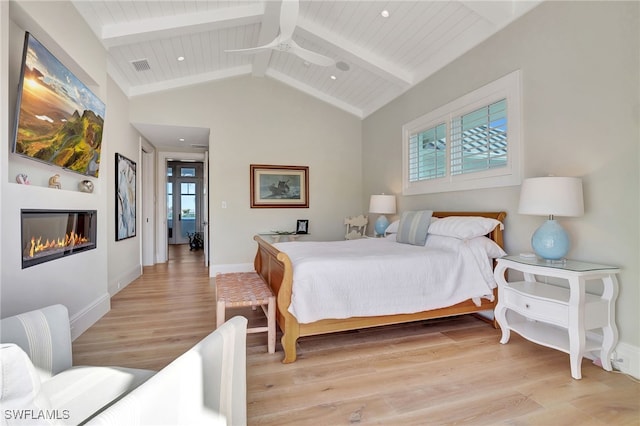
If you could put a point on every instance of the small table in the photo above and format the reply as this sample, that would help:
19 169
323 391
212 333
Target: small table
276 237
555 316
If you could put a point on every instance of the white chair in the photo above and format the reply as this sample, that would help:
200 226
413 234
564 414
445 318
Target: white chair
356 227
205 385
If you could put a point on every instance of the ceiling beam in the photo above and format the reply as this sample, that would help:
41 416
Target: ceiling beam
355 54
499 13
269 30
172 26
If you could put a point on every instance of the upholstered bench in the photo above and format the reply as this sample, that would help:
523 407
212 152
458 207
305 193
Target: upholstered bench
239 289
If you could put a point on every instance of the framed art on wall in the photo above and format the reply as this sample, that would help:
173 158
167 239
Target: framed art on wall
279 186
302 226
125 198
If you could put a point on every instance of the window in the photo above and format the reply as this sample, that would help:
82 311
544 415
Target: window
472 142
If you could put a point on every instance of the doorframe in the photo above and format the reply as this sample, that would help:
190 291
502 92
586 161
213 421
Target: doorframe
178 233
162 246
148 251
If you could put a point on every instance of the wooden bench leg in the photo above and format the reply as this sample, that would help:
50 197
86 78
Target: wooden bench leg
220 313
271 324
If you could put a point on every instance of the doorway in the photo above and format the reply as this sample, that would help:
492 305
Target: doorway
184 201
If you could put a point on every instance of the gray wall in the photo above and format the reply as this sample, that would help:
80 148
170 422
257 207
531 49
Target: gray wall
261 121
579 63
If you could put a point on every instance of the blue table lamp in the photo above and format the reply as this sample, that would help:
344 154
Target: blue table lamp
551 196
382 204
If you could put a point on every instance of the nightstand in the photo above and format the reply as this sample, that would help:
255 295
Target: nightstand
555 316
280 237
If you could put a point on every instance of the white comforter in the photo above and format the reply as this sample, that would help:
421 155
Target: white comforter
369 277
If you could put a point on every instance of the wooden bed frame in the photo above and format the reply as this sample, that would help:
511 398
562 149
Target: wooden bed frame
276 269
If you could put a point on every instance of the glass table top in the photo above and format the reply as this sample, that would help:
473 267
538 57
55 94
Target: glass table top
567 264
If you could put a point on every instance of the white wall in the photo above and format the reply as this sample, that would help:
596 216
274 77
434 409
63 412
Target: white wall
580 68
124 262
261 121
80 281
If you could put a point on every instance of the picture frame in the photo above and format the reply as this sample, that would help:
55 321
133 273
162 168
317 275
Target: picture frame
59 120
125 197
302 226
274 186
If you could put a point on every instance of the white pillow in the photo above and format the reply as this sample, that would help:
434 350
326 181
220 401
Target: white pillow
20 387
483 244
488 246
463 227
393 227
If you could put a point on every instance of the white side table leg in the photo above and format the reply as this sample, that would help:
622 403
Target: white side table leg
609 331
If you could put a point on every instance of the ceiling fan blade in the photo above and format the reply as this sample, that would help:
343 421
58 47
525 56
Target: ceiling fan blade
313 57
250 50
288 18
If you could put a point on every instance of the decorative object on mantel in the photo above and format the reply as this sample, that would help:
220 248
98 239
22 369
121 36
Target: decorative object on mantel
85 186
54 182
22 179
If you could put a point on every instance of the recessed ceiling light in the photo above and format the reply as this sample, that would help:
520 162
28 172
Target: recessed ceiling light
342 66
384 13
333 77
180 58
181 139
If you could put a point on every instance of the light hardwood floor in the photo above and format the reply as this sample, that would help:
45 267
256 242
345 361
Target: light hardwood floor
450 371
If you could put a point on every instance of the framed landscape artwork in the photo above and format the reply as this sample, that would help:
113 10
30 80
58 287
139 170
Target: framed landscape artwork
279 186
125 198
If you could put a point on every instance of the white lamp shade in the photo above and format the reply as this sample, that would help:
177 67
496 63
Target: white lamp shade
383 204
557 196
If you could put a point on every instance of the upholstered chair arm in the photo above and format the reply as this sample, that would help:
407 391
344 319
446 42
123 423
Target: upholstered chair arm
44 334
224 360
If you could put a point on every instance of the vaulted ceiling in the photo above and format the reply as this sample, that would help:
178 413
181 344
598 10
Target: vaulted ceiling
377 58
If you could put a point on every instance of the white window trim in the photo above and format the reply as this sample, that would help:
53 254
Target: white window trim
508 87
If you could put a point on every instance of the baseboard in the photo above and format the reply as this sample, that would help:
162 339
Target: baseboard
627 359
84 319
124 280
228 268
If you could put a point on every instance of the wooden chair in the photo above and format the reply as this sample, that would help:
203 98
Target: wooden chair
356 227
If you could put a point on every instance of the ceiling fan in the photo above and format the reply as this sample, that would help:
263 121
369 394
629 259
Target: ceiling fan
284 42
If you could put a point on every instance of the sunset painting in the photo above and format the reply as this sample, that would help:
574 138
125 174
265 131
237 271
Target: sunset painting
60 121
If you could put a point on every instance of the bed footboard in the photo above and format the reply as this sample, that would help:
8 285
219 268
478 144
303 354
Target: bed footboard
275 268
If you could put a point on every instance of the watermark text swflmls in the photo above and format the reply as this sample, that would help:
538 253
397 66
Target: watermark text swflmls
36 414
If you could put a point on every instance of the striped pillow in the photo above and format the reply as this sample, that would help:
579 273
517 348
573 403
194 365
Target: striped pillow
413 227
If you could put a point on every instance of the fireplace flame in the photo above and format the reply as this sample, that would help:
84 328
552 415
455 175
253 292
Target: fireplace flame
71 239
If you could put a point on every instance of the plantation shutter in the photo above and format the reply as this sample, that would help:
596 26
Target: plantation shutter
479 139
427 154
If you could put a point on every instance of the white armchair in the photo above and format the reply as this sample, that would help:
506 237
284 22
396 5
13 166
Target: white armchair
205 384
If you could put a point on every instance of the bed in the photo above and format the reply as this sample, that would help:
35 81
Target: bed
276 267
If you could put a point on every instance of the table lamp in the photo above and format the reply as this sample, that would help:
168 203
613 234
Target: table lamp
551 196
382 204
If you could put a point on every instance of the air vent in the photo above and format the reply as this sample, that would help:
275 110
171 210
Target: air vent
141 65
197 145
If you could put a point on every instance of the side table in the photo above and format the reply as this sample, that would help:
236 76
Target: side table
555 316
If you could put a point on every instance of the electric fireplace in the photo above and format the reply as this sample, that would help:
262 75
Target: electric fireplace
51 234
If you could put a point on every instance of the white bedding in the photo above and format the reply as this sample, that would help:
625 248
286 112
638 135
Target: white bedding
378 276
